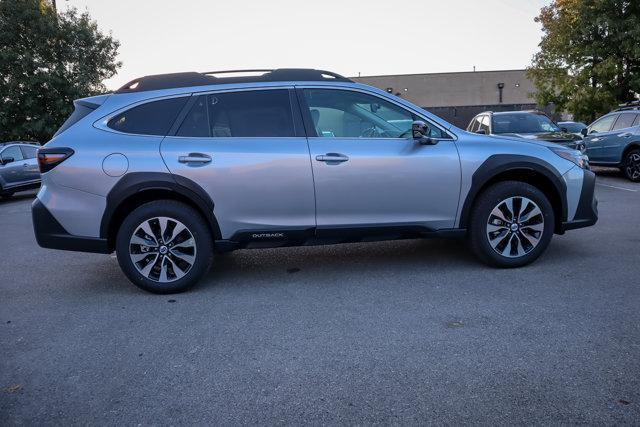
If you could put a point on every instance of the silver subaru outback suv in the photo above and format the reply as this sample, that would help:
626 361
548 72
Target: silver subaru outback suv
171 169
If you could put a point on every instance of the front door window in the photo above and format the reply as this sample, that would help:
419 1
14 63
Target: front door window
351 114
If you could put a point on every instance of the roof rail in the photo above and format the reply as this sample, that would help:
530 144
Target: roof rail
2 144
186 79
631 105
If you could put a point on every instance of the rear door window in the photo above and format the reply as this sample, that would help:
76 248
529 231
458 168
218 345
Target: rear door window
262 113
196 123
151 118
244 114
625 120
28 151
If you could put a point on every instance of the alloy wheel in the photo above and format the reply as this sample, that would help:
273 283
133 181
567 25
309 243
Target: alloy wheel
632 168
162 249
515 226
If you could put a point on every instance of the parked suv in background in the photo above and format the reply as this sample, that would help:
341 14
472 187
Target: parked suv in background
575 128
524 124
614 140
170 168
18 167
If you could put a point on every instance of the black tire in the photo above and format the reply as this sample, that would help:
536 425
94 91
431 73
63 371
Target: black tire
6 195
202 248
479 225
631 165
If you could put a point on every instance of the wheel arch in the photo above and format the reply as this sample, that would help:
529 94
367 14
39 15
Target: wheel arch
135 189
635 145
534 171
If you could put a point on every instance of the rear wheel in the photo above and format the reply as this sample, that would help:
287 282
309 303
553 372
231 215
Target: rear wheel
164 247
631 165
511 225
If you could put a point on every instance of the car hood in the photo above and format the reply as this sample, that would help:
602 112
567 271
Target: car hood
558 137
574 144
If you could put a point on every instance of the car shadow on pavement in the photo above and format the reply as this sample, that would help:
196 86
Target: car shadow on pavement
341 260
608 172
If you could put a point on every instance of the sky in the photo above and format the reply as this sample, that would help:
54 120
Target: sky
345 36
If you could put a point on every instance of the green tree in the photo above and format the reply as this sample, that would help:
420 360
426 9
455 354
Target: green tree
48 59
589 58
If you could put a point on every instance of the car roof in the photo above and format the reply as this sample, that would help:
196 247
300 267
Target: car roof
4 144
498 113
193 79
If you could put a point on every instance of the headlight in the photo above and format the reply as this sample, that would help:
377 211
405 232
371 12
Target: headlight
574 156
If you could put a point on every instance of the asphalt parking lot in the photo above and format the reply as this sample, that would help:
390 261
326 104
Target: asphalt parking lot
394 332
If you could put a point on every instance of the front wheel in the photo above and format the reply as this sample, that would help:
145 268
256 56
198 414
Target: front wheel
511 225
631 166
164 247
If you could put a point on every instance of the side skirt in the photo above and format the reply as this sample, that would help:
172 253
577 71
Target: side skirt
255 239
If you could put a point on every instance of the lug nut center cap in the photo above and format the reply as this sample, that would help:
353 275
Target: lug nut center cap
514 227
163 250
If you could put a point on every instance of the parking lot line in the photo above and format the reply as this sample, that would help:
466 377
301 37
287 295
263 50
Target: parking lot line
619 188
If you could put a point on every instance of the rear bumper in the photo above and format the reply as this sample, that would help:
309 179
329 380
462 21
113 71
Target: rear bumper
587 211
50 234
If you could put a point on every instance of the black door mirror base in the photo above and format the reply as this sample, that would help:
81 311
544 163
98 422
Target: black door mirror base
420 132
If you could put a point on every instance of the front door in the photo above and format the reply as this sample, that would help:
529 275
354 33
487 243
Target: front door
369 172
597 132
248 151
13 166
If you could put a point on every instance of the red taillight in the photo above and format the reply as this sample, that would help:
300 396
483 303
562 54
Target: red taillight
49 158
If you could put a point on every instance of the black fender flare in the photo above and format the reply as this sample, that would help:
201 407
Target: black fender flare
137 182
501 163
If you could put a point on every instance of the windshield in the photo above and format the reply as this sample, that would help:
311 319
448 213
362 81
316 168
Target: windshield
573 127
523 123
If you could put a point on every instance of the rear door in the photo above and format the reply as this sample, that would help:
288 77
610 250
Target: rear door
369 172
30 163
618 138
248 151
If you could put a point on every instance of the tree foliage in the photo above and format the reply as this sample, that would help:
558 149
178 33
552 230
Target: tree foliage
589 58
48 59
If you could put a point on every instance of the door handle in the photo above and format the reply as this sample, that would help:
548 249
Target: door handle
625 135
195 158
332 158
596 139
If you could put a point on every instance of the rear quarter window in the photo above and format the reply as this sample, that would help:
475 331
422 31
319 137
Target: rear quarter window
151 118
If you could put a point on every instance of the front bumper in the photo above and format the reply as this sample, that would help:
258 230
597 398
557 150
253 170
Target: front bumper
50 234
587 210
